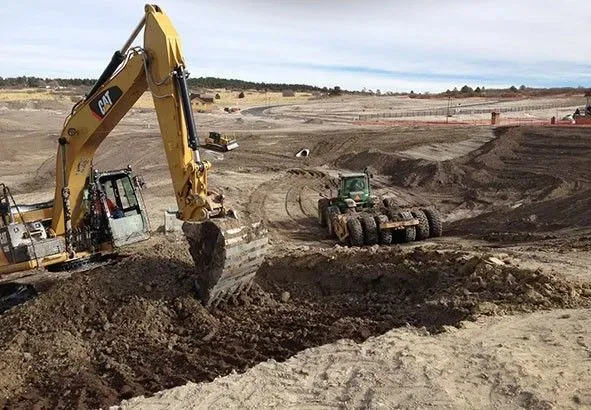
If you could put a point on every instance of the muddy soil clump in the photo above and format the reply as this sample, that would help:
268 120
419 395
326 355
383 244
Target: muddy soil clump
135 327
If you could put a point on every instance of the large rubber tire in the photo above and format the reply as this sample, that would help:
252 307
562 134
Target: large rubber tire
370 230
435 222
329 214
404 235
393 214
355 232
423 227
391 203
410 234
385 235
323 204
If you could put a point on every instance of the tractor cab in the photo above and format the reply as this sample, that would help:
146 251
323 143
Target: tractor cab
354 187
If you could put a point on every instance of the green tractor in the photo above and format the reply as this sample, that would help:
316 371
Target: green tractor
356 217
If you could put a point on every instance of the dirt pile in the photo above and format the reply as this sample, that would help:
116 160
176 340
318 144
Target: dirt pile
540 217
535 179
455 283
525 179
405 172
135 328
379 161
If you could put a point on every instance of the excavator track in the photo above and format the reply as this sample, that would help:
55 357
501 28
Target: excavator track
227 254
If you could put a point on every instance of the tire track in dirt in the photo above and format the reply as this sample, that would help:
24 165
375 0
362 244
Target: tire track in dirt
287 204
308 207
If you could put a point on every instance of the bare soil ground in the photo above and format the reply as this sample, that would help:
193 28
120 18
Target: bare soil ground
519 362
516 202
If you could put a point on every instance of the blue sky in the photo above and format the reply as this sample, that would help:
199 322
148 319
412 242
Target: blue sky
388 45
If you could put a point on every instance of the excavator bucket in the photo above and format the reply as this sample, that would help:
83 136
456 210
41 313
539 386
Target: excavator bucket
221 146
227 255
231 145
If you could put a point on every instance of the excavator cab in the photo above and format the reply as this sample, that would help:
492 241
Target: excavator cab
119 208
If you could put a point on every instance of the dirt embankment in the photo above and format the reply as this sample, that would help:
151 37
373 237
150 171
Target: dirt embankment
524 180
135 328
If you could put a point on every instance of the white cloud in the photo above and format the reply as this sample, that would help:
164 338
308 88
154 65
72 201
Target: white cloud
398 45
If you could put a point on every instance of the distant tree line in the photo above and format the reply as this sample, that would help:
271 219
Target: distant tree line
233 84
513 91
201 82
27 81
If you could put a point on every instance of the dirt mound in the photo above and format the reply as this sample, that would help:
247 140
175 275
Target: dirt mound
524 178
545 216
404 172
536 179
534 162
380 161
135 328
458 283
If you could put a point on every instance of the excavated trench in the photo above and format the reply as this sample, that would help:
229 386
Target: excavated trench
135 328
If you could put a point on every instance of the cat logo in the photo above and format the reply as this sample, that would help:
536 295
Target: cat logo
101 105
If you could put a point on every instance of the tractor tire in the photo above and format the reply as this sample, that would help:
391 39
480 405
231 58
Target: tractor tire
408 234
385 235
323 204
423 227
330 212
370 230
391 203
355 232
435 222
393 214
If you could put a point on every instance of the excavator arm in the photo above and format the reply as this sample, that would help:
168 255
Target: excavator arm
160 68
227 252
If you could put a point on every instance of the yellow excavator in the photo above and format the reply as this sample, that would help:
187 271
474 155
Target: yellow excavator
93 213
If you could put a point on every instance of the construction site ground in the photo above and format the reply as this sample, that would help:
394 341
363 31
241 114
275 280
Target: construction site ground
495 314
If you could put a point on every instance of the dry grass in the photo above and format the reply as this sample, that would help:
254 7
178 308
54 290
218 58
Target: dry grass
256 98
27 94
230 99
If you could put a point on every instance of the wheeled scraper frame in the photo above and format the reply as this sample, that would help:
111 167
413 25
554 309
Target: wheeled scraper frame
355 217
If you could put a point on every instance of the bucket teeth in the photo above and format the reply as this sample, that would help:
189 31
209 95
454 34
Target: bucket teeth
227 254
